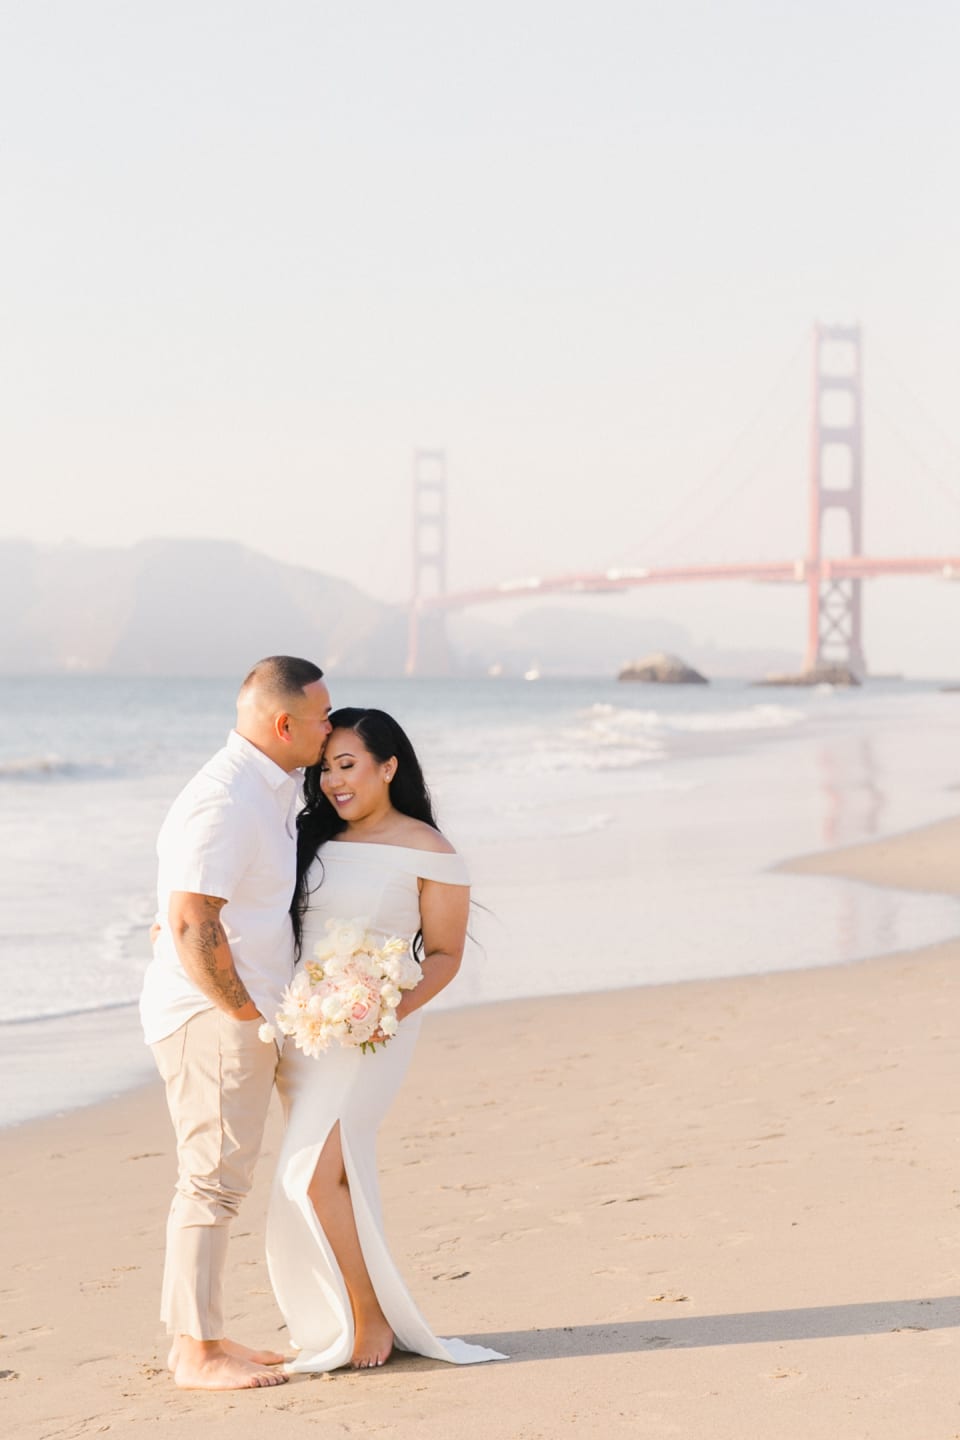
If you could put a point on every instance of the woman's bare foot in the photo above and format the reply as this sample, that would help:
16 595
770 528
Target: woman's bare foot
238 1351
373 1343
209 1365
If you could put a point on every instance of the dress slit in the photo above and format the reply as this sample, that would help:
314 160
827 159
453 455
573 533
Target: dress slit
298 1242
384 1276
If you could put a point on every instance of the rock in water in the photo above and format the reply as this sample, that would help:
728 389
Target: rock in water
819 675
662 669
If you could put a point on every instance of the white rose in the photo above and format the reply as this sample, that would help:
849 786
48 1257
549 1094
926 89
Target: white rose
267 1033
346 936
332 1007
410 973
389 1024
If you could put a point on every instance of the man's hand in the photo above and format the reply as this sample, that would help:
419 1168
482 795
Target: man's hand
204 952
248 1012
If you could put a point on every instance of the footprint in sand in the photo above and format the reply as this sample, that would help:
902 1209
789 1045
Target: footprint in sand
450 1243
33 1332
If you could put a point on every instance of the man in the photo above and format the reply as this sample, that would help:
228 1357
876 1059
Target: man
223 955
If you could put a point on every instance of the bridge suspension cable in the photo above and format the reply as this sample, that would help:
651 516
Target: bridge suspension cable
639 551
949 488
760 469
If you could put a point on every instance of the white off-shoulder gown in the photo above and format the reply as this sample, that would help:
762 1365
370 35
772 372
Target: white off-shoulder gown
378 882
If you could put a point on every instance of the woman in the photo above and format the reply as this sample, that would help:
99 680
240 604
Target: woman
368 846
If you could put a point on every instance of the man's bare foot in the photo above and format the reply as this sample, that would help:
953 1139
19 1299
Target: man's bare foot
256 1357
373 1343
207 1365
238 1351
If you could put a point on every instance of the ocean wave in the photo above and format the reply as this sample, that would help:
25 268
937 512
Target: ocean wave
588 825
38 1016
615 737
583 754
107 974
55 767
753 717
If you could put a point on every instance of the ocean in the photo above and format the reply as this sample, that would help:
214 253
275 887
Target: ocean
617 835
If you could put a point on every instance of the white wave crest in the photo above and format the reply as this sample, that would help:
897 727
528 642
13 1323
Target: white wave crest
581 753
53 767
587 826
752 717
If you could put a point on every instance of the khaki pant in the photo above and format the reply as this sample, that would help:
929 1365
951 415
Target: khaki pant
219 1075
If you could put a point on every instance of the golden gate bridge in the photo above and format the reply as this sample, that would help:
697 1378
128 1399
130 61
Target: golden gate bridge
833 583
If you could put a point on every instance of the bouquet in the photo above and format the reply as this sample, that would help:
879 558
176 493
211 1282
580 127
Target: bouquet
348 992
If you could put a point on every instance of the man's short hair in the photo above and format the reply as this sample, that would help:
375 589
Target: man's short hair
282 676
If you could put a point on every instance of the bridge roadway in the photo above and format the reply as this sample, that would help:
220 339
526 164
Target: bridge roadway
790 572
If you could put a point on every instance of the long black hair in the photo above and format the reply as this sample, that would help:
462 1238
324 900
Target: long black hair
319 822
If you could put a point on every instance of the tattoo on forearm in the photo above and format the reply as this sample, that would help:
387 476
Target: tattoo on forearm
210 936
233 990
209 949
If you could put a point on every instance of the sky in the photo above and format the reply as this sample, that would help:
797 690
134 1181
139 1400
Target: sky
254 255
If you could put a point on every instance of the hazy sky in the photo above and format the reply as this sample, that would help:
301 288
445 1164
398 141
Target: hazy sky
253 254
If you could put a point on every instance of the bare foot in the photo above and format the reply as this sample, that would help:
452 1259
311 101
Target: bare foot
209 1366
256 1357
373 1344
238 1351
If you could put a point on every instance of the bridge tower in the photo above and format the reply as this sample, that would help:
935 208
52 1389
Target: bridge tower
428 652
834 611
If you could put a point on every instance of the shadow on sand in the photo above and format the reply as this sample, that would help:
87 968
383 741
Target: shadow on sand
686 1332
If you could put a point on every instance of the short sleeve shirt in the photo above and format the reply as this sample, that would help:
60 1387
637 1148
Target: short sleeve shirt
230 833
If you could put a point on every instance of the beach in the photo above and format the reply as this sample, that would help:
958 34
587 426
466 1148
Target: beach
723 1208
680 1138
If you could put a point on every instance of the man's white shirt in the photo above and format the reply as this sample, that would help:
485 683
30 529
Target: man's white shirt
231 832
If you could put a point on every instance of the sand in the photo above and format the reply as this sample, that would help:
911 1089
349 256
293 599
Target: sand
718 1211
926 859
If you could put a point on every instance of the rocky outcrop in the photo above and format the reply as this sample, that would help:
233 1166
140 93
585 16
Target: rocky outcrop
662 669
818 675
